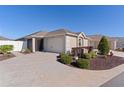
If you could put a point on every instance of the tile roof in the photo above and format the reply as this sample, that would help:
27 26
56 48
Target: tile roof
60 32
49 34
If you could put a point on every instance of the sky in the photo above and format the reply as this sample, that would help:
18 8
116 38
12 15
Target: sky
18 21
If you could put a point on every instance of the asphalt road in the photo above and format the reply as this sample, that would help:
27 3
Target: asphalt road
117 81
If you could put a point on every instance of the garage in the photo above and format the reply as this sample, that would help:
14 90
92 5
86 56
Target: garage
54 44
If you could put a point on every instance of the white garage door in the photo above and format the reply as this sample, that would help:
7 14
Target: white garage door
55 44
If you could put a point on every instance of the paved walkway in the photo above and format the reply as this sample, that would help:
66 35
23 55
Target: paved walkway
116 53
42 69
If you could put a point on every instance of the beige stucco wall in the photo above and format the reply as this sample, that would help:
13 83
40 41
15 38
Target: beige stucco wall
62 43
54 44
85 42
71 41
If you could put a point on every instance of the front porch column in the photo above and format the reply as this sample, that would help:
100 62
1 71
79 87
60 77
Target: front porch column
33 44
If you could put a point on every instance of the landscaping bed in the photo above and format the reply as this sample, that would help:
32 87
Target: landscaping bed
102 59
99 63
4 57
96 63
5 52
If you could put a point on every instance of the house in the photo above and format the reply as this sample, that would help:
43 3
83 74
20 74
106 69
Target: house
17 45
120 42
96 38
4 38
61 40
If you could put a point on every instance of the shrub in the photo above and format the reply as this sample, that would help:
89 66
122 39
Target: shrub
83 63
86 56
26 50
103 46
92 54
6 48
62 56
65 58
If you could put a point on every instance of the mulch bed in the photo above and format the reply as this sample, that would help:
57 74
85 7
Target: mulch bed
4 57
100 63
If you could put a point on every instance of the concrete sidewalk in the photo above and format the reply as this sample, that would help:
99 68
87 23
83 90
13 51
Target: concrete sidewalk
42 69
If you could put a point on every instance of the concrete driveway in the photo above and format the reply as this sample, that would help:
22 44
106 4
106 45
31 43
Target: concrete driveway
117 81
42 69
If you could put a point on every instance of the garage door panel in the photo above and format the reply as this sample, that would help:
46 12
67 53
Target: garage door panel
55 44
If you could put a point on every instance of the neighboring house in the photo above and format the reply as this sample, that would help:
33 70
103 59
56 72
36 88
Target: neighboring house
4 38
96 38
120 41
17 45
60 40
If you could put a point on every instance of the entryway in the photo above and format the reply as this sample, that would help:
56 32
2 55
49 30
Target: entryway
35 44
39 44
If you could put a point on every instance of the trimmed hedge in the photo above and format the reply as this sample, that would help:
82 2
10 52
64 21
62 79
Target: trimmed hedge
92 54
86 56
83 63
6 48
65 58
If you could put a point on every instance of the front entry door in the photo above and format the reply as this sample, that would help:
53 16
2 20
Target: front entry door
41 45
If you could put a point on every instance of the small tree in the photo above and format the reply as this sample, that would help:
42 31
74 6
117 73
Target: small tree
103 46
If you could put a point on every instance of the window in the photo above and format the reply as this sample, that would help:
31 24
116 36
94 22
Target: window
79 42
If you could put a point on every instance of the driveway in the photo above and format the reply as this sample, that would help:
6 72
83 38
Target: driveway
117 81
42 69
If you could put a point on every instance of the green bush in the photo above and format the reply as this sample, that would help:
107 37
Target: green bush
103 46
86 56
83 63
92 54
26 50
65 58
6 48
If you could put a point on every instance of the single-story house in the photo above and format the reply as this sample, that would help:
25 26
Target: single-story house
61 40
96 38
4 38
17 45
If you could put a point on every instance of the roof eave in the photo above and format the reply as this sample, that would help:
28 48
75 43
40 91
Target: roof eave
71 34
